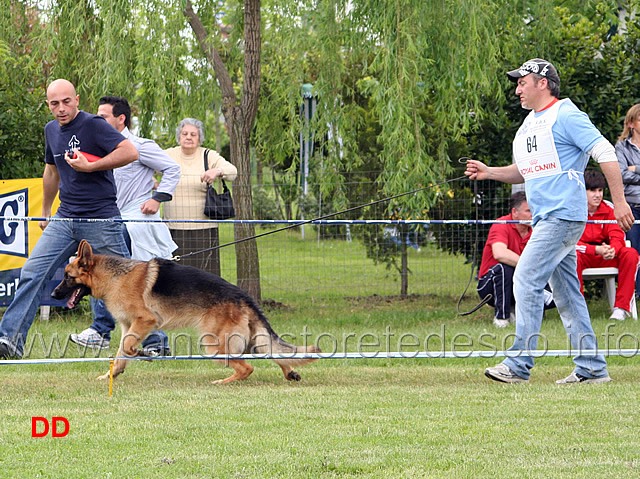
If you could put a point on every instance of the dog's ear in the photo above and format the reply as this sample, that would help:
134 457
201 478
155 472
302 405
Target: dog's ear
85 255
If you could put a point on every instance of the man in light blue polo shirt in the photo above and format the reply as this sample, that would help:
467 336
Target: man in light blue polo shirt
551 150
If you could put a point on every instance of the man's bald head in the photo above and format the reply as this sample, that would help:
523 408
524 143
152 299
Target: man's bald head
62 100
61 85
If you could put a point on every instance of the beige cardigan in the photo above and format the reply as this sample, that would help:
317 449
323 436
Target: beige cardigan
188 198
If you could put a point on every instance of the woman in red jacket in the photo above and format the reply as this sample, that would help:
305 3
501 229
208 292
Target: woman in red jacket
603 245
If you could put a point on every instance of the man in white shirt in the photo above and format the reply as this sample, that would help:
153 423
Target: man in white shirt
136 199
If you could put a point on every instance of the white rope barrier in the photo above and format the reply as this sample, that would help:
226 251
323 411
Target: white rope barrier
555 353
293 222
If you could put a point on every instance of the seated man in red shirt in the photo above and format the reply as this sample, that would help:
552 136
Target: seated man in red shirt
603 246
499 258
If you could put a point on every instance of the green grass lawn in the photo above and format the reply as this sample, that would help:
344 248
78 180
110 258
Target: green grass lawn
365 418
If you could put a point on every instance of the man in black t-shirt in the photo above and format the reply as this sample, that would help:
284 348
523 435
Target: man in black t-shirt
87 190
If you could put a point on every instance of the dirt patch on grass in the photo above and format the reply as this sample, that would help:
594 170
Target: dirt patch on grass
273 305
378 300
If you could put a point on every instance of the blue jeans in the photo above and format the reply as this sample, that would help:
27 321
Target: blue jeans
104 323
550 256
59 241
633 235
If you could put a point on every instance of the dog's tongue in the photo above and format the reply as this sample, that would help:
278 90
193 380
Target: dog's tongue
72 299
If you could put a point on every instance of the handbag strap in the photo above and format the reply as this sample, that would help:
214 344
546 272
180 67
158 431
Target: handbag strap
206 167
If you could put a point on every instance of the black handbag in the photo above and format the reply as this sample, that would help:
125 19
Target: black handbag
217 206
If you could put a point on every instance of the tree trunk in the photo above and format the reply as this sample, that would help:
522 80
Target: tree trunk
404 265
247 260
240 120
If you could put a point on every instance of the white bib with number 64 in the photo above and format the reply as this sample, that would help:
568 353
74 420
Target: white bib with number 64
533 147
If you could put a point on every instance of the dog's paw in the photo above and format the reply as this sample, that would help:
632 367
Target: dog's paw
104 377
293 376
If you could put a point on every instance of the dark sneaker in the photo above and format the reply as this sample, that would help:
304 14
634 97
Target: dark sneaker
574 378
502 373
7 352
156 351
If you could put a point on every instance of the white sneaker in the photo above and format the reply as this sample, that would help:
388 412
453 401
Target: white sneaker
501 323
503 374
575 378
90 338
619 314
548 297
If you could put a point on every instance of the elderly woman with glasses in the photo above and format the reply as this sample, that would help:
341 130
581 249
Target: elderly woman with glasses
189 196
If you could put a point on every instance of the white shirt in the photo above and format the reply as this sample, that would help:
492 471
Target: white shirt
135 180
134 183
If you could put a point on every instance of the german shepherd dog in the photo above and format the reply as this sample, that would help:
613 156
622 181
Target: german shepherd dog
160 294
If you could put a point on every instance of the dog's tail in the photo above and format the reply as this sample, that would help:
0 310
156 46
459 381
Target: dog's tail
268 343
283 348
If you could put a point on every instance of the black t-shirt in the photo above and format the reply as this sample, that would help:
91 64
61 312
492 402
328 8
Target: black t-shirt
83 195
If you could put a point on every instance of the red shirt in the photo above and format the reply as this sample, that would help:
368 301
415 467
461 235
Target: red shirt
596 234
506 233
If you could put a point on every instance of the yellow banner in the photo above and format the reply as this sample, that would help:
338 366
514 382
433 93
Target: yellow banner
18 198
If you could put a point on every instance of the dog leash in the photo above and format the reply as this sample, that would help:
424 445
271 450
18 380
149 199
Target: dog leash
330 215
474 257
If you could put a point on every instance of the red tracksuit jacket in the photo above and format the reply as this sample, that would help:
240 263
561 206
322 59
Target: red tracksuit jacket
596 234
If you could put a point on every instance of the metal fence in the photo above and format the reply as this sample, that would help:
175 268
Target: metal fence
344 257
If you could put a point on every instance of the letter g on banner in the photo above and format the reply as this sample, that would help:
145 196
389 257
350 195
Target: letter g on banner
14 238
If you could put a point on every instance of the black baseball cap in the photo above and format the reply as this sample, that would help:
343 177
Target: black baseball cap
536 65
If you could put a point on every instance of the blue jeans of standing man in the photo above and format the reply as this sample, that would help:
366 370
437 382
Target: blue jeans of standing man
59 241
550 256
